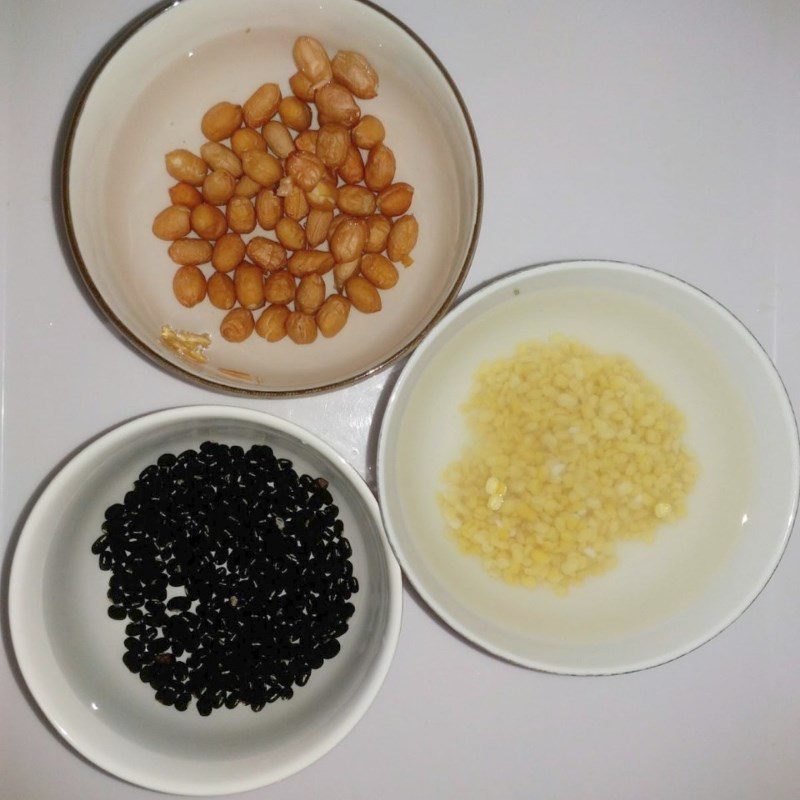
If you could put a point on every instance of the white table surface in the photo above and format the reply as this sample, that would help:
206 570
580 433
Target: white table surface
664 133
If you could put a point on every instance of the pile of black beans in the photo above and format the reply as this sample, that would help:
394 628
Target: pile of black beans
233 573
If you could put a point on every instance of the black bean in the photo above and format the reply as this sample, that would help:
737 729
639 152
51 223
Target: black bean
117 612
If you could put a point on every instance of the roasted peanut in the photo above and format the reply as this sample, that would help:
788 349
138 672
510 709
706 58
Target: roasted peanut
190 251
262 105
295 204
402 239
310 294
332 315
218 187
267 254
378 233
302 328
305 169
356 73
249 284
269 209
240 215
363 295
317 226
247 139
380 168
246 187
349 239
323 196
356 200
335 223
172 223
290 233
312 60
336 104
217 156
221 120
237 325
294 113
261 167
189 285
307 141
302 87
278 138
271 324
228 252
304 262
182 194
395 200
221 291
345 270
379 271
186 167
368 132
333 142
285 186
279 287
351 170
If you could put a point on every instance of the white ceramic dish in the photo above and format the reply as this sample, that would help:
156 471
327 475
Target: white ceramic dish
69 650
147 99
663 599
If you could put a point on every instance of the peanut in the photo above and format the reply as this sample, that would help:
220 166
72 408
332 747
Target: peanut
189 285
402 239
269 209
221 120
305 169
247 139
332 144
217 156
267 254
351 170
186 167
172 223
395 200
294 113
279 287
221 291
246 187
380 168
368 132
240 215
218 187
312 60
379 271
310 294
290 233
237 325
278 138
190 251
302 328
295 204
356 73
271 324
182 194
347 242
228 252
332 315
307 141
249 284
363 295
336 104
262 105
302 87
343 271
317 226
304 262
379 227
323 196
356 200
261 167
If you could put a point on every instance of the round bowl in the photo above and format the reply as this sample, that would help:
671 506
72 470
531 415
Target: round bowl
69 650
147 98
664 598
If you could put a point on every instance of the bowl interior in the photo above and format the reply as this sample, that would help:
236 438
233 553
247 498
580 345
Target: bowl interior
663 598
149 100
70 650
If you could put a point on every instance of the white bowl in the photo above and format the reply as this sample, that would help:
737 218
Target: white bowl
663 599
147 99
70 651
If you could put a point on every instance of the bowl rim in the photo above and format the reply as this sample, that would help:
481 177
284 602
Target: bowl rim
27 659
496 285
117 42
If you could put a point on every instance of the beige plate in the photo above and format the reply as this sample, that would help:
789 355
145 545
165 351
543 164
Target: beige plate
147 97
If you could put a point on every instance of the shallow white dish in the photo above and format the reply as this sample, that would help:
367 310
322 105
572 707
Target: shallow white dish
147 99
663 599
69 650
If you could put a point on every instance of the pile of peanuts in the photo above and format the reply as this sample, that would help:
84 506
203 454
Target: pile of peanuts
275 179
